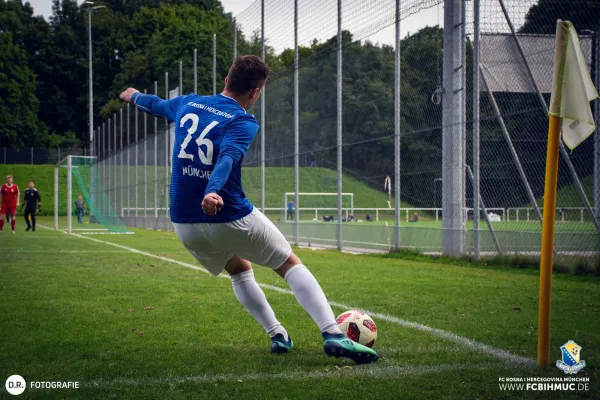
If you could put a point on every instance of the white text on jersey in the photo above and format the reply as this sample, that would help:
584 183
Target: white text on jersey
191 171
210 109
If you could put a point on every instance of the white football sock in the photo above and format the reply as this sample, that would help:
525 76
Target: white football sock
311 297
254 301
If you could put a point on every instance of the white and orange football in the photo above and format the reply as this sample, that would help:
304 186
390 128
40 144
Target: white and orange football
358 326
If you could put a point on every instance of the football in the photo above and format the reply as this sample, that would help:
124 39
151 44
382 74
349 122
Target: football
358 326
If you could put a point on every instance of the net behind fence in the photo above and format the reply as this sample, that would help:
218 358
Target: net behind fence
87 202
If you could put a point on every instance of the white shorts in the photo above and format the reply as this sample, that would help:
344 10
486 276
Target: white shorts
254 238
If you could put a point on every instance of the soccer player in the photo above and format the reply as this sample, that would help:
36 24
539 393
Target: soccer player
32 202
9 198
213 218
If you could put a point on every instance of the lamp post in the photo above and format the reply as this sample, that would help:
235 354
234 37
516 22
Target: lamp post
90 80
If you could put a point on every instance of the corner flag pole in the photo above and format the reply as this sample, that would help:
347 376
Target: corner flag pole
547 253
571 116
550 188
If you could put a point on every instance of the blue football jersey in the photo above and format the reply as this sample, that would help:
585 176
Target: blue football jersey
207 129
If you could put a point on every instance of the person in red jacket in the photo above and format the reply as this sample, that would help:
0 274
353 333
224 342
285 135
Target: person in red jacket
9 199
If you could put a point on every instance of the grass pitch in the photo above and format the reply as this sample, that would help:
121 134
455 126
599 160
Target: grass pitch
142 325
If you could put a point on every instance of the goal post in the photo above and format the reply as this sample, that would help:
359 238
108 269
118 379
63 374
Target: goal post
318 200
99 210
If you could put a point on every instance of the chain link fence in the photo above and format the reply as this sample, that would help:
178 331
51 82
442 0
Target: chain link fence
515 62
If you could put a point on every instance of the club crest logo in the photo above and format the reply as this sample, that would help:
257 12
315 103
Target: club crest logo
571 362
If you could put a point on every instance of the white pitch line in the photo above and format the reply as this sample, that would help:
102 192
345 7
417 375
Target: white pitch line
373 371
68 251
450 336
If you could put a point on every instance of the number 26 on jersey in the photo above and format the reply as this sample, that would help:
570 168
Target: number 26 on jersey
206 158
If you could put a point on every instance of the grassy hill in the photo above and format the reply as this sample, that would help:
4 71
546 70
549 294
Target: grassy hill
278 181
568 196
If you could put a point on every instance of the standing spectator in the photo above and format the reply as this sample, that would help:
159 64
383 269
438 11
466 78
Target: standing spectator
290 210
32 202
79 209
313 159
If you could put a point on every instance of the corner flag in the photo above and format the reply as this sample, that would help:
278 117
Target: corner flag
572 87
572 90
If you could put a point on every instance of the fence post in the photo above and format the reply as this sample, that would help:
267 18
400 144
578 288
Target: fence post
114 158
234 39
339 124
214 51
135 144
146 156
180 78
156 152
262 111
296 133
108 181
397 77
121 139
128 160
167 141
476 179
596 64
195 74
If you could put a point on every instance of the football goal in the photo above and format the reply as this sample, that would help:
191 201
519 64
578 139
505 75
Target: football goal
79 195
308 202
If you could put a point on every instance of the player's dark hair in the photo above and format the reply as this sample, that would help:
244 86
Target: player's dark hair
247 73
32 181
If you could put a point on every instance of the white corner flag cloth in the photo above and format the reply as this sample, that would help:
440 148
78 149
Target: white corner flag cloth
572 87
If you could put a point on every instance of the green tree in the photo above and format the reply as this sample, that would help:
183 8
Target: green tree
541 17
18 103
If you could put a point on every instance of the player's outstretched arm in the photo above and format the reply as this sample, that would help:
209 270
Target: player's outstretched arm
152 104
